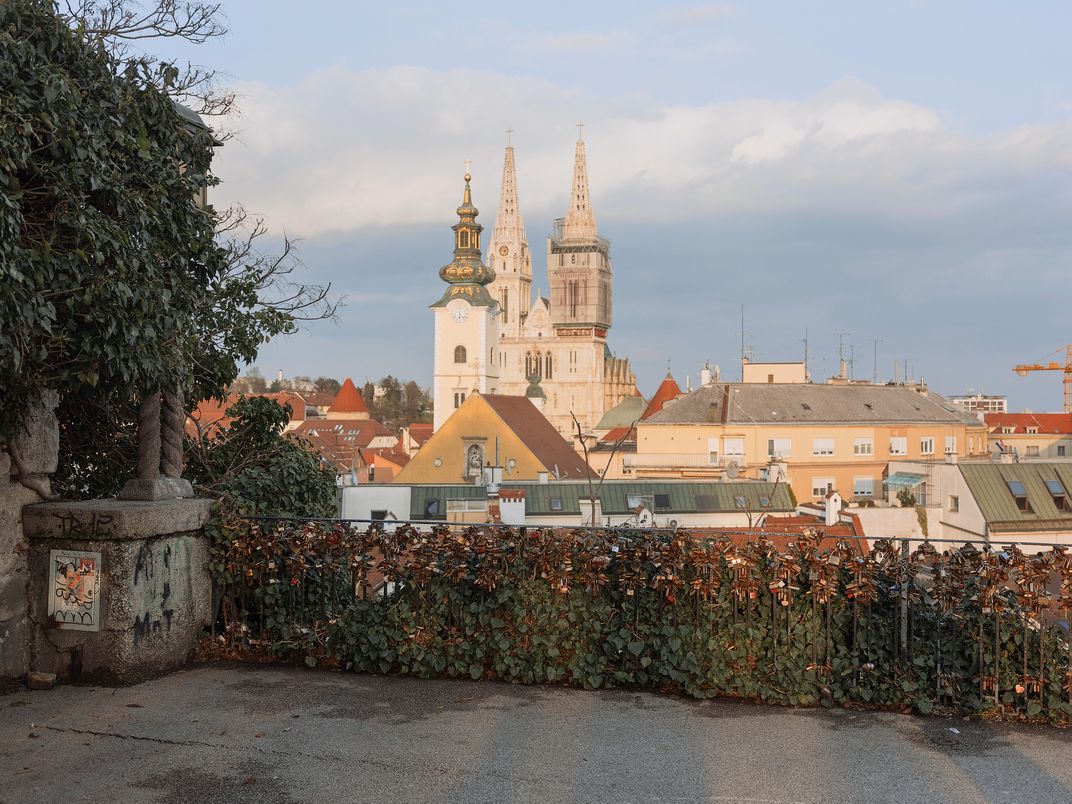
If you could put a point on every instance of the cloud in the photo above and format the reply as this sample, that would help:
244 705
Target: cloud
587 41
342 150
697 15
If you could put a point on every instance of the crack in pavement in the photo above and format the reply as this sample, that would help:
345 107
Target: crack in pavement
461 773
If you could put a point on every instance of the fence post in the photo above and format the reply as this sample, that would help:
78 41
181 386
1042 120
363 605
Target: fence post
903 654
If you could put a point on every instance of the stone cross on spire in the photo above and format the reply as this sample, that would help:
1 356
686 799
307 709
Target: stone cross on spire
581 219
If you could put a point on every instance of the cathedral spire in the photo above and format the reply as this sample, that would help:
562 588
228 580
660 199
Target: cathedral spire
509 225
581 219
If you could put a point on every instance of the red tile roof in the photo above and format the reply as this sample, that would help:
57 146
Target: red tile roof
538 434
1047 423
795 524
211 414
338 440
420 432
348 400
619 433
667 391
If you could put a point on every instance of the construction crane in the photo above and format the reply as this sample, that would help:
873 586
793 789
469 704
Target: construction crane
1023 368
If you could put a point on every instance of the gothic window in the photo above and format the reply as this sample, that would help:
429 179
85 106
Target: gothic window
459 354
528 364
547 367
476 240
561 260
537 365
505 303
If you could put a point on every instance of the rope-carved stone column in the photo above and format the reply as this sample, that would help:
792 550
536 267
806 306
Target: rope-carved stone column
159 472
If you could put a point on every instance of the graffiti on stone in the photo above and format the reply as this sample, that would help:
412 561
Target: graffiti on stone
86 526
74 593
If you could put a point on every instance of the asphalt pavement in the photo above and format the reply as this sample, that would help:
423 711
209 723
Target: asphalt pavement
265 734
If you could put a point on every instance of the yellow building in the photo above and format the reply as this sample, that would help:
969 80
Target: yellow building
1031 435
489 430
836 436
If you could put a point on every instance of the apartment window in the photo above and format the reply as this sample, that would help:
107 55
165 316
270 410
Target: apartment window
863 487
733 447
950 445
459 397
1007 430
863 446
1060 496
1019 494
779 447
822 446
820 486
712 450
954 503
898 445
1060 450
1032 451
926 446
1032 431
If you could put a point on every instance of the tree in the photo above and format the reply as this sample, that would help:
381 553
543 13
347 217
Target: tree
115 283
327 385
254 469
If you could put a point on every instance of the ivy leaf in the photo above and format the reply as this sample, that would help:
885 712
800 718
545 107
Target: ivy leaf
636 648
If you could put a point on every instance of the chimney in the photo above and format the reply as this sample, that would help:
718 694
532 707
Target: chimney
833 508
705 375
716 373
841 369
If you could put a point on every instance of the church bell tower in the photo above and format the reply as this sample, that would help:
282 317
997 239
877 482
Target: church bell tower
466 320
578 262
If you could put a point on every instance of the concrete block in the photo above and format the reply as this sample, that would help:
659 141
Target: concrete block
159 488
36 680
114 519
155 589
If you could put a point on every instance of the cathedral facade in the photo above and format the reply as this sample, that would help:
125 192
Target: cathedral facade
493 336
562 340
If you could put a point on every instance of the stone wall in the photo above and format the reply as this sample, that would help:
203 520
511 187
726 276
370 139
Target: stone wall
23 481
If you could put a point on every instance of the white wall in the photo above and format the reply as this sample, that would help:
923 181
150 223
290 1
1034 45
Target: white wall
358 502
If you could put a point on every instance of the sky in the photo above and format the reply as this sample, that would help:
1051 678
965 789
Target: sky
849 172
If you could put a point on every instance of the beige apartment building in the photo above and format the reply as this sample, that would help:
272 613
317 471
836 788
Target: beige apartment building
822 437
1045 436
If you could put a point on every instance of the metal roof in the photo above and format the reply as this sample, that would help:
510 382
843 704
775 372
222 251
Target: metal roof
563 498
623 414
811 403
989 485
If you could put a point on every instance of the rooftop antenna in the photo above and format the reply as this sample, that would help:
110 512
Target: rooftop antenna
841 352
805 352
874 364
742 343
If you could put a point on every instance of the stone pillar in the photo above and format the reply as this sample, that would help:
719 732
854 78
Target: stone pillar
159 472
26 461
153 594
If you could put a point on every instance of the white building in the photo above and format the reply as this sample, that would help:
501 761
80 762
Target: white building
561 340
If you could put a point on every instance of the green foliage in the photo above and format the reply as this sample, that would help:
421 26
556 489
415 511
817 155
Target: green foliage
400 404
620 609
906 498
921 518
256 469
105 260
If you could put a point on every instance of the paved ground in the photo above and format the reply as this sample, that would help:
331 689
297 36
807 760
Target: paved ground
269 734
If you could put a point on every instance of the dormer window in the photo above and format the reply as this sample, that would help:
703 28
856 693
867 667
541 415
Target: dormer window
1060 496
1019 494
1032 431
1006 430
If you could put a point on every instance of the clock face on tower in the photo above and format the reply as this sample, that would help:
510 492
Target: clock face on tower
459 311
504 250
